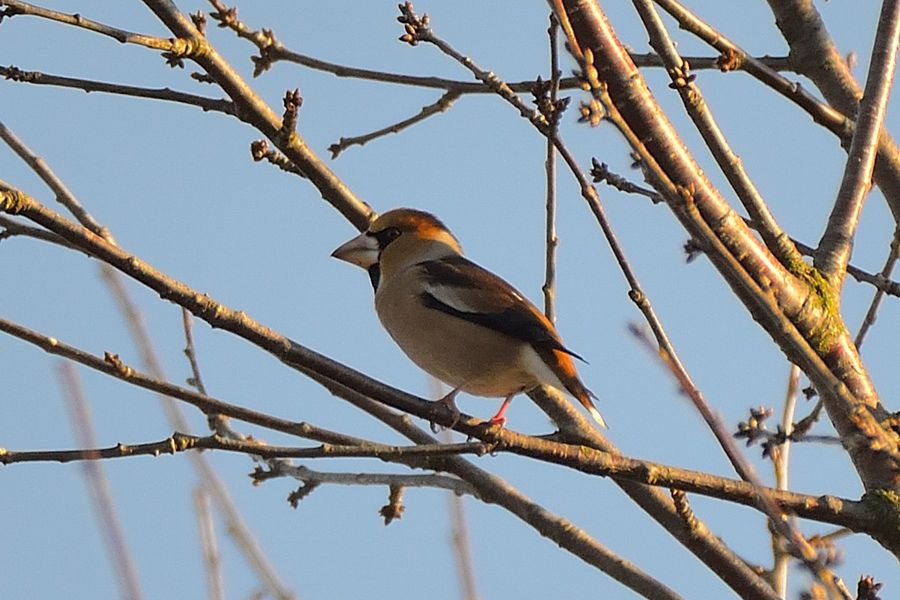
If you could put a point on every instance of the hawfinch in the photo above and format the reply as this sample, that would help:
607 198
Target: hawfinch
457 321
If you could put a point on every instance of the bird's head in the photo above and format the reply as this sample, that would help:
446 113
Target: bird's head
397 239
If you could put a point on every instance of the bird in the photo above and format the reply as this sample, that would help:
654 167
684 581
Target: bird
458 321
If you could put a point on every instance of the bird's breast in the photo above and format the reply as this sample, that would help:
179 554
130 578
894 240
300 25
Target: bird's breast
464 355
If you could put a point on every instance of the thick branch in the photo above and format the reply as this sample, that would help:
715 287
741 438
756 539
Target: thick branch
814 55
729 163
791 306
837 241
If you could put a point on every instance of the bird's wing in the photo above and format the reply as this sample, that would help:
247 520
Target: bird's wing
459 287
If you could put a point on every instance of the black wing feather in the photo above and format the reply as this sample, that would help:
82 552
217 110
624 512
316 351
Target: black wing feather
513 319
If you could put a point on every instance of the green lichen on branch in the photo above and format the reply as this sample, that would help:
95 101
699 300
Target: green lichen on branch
883 507
830 327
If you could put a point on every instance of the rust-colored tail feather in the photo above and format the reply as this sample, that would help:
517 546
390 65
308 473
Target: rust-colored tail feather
565 370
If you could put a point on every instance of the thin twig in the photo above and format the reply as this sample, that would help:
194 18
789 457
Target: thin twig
550 239
181 442
734 57
441 105
16 7
837 240
785 527
459 527
217 423
190 351
118 550
40 167
781 464
212 559
112 365
301 473
11 228
220 105
884 275
601 173
729 163
272 51
459 535
462 547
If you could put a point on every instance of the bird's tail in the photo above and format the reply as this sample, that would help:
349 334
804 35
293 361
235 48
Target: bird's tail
584 395
588 401
565 370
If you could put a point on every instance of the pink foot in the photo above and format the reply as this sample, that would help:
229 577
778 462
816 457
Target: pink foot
500 418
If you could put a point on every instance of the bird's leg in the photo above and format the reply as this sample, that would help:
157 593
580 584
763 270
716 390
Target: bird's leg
450 402
499 418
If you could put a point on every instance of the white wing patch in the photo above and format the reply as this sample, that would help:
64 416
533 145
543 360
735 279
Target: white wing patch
471 300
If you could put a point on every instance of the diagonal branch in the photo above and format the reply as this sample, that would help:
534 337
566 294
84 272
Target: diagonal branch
572 455
729 163
837 240
815 55
330 374
107 516
792 305
489 487
254 110
16 7
442 104
812 54
884 275
238 530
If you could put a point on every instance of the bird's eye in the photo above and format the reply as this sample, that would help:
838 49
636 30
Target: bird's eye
386 236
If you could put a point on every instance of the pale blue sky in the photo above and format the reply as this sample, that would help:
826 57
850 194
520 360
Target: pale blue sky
177 187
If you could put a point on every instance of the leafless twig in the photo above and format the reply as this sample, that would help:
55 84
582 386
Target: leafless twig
107 516
834 247
212 559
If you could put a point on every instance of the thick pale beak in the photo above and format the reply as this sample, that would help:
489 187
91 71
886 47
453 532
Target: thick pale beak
361 251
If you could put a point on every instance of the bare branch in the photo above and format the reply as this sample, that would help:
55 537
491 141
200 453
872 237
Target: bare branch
15 7
550 240
12 228
837 240
815 55
785 527
217 423
781 464
601 173
118 550
112 365
212 559
789 303
441 105
252 109
181 442
729 163
312 477
872 312
12 73
238 529
272 51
